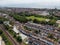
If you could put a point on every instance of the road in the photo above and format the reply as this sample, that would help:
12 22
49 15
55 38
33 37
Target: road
9 36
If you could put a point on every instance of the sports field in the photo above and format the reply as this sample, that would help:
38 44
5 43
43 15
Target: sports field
33 17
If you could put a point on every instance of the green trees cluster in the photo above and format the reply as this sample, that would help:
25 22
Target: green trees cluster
51 22
1 32
6 40
51 16
22 19
2 19
19 39
4 37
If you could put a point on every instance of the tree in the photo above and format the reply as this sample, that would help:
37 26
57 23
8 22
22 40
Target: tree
14 35
36 21
22 19
56 39
52 22
1 32
36 31
19 39
50 36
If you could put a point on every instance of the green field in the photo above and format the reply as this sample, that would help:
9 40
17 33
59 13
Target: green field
33 17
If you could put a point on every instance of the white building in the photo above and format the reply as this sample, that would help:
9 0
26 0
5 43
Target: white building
1 41
16 29
58 21
6 22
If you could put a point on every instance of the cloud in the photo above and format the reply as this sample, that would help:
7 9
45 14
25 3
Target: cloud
30 3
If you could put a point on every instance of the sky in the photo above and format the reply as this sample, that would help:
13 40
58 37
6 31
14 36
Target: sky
31 3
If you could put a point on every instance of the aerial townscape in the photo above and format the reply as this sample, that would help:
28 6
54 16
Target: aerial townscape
29 22
29 26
